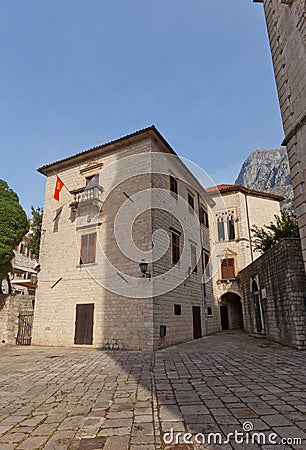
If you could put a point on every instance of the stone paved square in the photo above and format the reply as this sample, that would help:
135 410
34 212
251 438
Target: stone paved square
83 398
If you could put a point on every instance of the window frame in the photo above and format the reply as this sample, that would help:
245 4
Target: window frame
219 229
204 217
175 248
191 204
86 249
177 309
193 258
173 185
229 267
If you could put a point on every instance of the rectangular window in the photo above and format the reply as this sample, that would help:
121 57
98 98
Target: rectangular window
193 251
88 248
177 310
204 217
56 219
228 269
209 311
220 229
191 203
175 247
206 263
92 180
173 185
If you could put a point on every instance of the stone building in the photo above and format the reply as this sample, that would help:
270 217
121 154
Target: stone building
274 293
287 35
23 277
24 271
123 250
236 211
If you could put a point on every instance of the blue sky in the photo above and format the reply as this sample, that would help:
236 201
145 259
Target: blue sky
75 74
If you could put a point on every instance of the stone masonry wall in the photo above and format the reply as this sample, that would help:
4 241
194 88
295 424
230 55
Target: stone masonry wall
286 26
282 285
121 320
10 307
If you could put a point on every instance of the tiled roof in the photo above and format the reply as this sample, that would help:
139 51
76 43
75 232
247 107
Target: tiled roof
228 188
55 165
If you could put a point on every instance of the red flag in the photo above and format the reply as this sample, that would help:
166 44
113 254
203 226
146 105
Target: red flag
58 187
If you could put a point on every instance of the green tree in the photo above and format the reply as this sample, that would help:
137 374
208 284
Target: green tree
35 226
285 226
13 226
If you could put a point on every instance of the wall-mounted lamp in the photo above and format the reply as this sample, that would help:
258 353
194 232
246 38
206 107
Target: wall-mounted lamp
143 265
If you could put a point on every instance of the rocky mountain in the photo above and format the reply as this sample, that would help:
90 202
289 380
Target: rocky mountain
268 171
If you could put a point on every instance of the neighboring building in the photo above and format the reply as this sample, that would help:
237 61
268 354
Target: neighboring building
24 280
274 294
125 201
24 270
287 30
236 211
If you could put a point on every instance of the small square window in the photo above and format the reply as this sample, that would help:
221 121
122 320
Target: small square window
177 310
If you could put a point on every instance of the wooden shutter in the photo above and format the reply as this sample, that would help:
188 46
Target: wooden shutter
193 258
228 268
88 248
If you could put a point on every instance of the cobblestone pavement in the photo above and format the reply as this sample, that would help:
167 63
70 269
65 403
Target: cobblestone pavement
81 398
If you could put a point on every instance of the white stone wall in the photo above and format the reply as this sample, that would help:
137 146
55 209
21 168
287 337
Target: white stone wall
250 210
286 28
120 320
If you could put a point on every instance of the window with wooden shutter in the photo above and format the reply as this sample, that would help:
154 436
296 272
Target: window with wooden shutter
228 269
88 248
206 267
193 251
175 247
204 217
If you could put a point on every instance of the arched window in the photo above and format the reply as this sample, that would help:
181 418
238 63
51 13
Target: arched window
220 228
231 228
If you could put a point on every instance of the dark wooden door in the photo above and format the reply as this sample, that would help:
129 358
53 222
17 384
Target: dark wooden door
84 324
196 316
224 317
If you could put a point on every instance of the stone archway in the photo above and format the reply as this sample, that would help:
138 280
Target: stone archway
231 315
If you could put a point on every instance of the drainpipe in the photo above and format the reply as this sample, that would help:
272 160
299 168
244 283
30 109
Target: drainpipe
205 315
249 230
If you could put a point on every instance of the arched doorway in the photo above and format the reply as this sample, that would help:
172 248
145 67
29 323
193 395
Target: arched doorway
231 312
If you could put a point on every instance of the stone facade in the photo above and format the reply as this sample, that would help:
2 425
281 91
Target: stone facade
246 208
287 30
280 288
134 215
23 277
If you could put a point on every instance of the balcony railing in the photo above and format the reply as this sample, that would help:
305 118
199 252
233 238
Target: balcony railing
87 196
